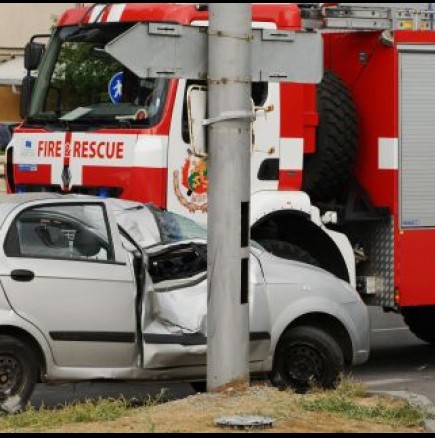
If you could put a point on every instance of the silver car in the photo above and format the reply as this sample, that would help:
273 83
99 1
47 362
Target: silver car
97 289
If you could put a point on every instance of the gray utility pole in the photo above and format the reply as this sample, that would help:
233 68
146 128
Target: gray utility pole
229 150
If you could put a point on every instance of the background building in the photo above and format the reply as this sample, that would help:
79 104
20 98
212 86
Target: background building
20 21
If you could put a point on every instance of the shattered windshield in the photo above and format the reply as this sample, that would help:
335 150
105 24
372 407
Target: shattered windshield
174 228
80 82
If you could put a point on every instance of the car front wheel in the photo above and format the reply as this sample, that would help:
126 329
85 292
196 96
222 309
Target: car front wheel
307 358
18 374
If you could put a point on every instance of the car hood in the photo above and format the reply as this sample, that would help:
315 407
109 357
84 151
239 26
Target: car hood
311 279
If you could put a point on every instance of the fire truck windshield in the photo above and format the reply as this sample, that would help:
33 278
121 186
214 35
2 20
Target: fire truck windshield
80 82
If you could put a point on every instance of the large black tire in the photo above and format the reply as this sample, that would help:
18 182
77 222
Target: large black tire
288 251
328 170
18 374
421 322
307 358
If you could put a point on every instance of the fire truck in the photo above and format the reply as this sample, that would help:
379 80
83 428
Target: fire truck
343 173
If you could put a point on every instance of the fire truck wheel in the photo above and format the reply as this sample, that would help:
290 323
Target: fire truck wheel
18 374
421 323
328 170
288 251
307 358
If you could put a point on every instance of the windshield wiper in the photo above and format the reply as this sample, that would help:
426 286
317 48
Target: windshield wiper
77 114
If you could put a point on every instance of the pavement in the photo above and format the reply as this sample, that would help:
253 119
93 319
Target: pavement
418 401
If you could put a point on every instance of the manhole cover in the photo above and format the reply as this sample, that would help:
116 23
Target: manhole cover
245 422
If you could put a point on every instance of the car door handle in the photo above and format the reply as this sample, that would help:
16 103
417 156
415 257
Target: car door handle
23 276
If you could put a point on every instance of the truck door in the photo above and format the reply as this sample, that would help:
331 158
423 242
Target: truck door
188 176
417 175
65 272
266 140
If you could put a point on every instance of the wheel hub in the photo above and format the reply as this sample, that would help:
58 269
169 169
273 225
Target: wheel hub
10 375
304 364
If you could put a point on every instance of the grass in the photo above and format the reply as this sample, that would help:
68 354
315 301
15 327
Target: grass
346 410
348 402
89 412
92 411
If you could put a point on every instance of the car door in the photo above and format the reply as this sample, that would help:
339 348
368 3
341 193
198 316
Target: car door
64 270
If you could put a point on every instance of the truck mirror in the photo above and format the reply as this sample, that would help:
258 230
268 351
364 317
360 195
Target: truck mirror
197 113
33 55
26 95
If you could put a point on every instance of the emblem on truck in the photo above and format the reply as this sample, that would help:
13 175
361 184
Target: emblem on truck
191 184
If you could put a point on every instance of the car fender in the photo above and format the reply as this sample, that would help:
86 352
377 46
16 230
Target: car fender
11 321
286 315
264 204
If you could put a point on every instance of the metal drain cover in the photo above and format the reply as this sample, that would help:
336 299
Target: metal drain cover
245 422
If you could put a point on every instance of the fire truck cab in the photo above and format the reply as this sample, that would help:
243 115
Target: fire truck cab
343 173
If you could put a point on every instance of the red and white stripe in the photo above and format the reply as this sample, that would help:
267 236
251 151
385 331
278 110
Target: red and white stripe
291 164
104 14
389 154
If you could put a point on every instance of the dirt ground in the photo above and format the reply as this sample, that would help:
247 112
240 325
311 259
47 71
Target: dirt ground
198 414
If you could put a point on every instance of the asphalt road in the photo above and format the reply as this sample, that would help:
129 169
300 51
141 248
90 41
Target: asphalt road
399 362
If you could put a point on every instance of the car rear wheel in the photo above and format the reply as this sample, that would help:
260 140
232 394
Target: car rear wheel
307 358
18 374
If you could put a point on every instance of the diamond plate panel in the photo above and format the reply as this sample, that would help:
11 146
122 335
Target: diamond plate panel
381 252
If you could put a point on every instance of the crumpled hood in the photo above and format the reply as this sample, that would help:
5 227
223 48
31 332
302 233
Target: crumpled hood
311 279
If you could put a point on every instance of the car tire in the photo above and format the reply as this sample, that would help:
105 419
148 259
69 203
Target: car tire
18 374
307 358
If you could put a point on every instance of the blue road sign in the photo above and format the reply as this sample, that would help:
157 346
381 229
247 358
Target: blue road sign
115 88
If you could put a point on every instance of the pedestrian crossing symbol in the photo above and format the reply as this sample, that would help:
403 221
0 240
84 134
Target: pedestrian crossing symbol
115 88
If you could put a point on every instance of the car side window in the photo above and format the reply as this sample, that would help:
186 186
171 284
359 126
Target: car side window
66 232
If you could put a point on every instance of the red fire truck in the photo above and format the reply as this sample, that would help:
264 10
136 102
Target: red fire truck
343 173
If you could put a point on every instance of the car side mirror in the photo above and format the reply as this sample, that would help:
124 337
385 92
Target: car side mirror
197 113
33 55
26 95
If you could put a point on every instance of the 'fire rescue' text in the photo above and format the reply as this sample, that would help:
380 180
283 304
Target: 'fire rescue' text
110 150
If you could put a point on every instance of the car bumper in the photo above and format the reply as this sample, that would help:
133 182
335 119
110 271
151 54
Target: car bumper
360 332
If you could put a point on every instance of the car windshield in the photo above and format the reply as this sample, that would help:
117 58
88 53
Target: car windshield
79 82
174 228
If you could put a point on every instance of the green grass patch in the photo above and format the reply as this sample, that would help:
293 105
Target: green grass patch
89 412
92 411
348 402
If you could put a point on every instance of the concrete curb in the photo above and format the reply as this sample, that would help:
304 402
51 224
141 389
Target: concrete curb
416 400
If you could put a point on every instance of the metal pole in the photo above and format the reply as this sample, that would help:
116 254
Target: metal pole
230 134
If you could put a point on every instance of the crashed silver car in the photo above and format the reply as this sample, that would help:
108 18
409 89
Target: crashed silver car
97 289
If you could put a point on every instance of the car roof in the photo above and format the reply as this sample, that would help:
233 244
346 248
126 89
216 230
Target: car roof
18 200
9 203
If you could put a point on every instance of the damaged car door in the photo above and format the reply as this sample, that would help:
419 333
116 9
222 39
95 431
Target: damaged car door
175 309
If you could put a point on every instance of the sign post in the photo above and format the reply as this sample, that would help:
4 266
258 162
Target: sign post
229 148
